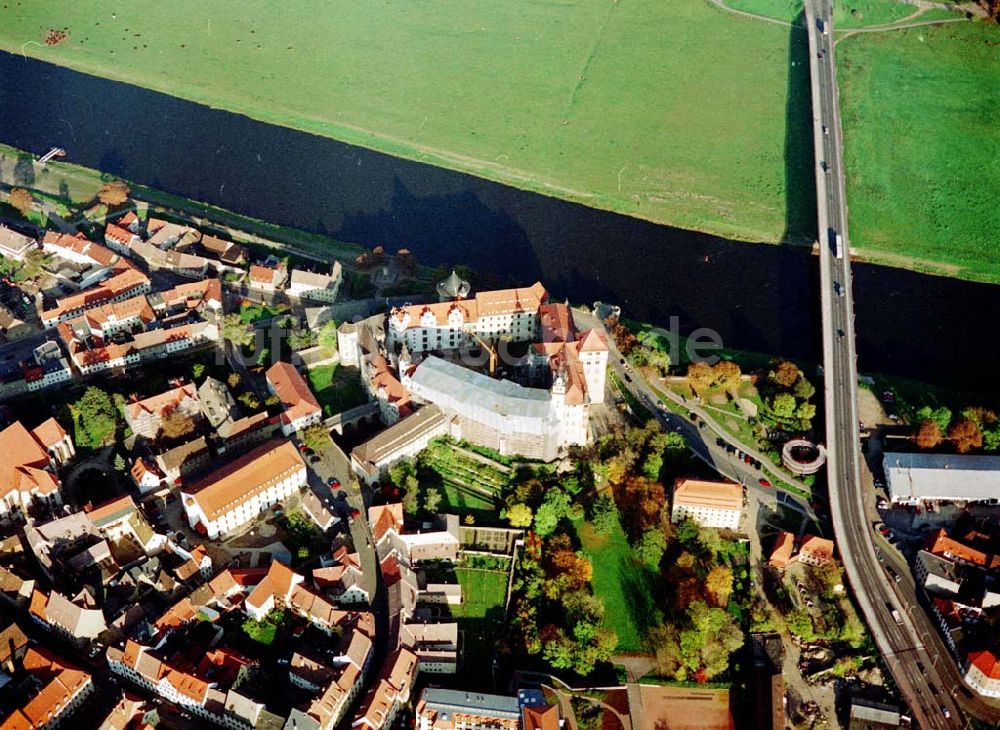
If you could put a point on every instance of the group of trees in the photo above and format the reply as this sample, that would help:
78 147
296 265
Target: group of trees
974 428
555 613
725 374
114 193
787 395
417 497
21 200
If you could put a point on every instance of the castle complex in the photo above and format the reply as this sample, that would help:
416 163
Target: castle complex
437 353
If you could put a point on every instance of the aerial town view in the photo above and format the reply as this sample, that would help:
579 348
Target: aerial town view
510 365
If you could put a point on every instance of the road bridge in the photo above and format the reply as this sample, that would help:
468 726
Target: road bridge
921 665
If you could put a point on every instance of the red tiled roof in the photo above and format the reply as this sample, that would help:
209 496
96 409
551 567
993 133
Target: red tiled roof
781 555
293 391
49 433
939 543
386 516
246 476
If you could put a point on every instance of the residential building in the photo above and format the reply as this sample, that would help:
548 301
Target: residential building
119 519
124 285
14 245
217 404
402 440
300 406
316 511
234 494
982 672
434 644
342 581
815 550
382 702
937 574
915 477
781 553
266 279
316 287
227 252
145 417
13 645
710 504
449 709
55 611
28 461
14 589
867 715
64 688
347 675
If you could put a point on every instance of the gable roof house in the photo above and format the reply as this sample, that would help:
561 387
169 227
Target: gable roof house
317 287
300 406
14 245
55 611
145 417
28 460
63 688
267 278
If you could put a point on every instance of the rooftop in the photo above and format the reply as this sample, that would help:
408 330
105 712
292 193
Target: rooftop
706 494
914 476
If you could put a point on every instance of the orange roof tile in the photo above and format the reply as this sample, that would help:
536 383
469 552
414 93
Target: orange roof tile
384 517
939 543
818 547
245 477
781 555
161 402
544 717
296 397
49 433
701 493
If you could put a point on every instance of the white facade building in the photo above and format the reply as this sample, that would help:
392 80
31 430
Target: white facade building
710 504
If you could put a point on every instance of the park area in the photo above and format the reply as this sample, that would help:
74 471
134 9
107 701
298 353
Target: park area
481 615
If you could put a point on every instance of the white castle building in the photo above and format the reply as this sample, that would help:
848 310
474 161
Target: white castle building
500 414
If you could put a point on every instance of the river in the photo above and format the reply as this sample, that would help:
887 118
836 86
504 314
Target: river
757 297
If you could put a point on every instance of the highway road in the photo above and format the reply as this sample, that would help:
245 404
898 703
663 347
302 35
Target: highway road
923 669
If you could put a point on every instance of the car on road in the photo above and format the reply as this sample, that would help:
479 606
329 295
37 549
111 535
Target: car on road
747 459
763 482
840 332
730 448
693 416
892 574
923 670
333 483
627 378
945 712
621 360
302 448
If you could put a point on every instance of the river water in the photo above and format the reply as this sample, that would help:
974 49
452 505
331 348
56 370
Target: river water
756 297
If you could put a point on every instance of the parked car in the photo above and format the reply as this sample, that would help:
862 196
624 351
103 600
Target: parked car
763 482
334 483
719 441
315 459
756 464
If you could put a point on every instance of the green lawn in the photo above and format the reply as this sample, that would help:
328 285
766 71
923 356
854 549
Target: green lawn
641 106
625 586
480 618
337 389
923 147
846 13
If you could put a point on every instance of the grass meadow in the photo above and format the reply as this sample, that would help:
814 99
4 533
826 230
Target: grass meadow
643 107
923 147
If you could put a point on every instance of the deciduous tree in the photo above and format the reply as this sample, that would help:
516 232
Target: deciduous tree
519 515
114 193
432 501
175 423
700 376
785 374
651 547
965 435
719 585
727 374
327 337
928 435
21 200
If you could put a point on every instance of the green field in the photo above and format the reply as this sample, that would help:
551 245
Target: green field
641 106
624 585
846 13
922 146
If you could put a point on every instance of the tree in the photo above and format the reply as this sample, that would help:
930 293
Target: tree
700 376
710 541
175 423
805 412
114 193
21 200
519 515
119 462
642 502
783 405
941 416
96 416
34 261
651 547
965 435
928 435
233 380
316 437
249 400
197 370
804 389
327 338
236 330
554 507
603 514
727 374
719 584
432 501
785 374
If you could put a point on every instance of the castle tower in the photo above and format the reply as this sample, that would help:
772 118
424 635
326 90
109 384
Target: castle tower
453 287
